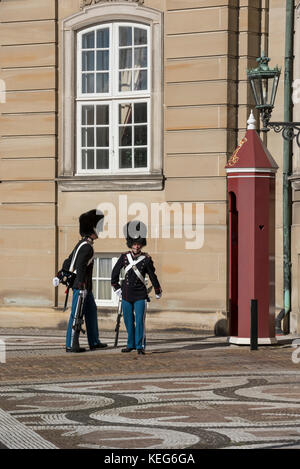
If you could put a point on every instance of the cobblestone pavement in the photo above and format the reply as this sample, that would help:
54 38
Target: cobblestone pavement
190 391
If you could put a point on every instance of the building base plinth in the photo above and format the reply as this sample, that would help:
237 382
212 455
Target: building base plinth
246 340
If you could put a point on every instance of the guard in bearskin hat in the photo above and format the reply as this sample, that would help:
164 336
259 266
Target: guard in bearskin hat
134 292
83 302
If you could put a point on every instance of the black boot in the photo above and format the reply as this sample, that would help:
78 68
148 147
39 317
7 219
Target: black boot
97 346
75 349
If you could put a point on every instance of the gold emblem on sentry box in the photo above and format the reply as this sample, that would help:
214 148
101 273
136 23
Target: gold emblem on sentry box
235 158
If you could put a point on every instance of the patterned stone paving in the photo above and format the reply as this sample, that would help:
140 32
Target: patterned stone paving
212 411
256 406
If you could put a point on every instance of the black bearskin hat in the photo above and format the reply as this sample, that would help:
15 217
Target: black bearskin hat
135 232
88 222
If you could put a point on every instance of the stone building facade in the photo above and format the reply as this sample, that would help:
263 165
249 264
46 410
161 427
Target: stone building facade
132 106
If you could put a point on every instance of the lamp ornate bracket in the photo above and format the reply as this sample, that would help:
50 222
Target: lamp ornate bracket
289 130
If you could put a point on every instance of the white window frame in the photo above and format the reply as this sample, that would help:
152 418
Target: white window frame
80 170
114 143
135 93
100 14
113 62
113 98
114 298
79 93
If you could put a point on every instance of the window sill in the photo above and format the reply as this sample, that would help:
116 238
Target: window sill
132 182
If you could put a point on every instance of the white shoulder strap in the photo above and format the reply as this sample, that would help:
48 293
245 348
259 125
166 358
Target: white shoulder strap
75 255
132 265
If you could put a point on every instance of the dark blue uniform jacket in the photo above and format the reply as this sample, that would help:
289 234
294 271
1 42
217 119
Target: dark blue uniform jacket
133 288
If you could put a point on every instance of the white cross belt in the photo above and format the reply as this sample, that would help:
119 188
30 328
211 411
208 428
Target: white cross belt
132 265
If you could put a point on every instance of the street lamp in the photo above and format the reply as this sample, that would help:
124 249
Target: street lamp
264 83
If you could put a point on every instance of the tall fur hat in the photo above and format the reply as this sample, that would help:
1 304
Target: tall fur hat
88 222
135 232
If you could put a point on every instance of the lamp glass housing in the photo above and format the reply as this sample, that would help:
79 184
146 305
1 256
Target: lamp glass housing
264 88
264 83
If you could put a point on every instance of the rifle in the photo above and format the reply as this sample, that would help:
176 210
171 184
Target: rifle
78 320
66 300
119 315
67 278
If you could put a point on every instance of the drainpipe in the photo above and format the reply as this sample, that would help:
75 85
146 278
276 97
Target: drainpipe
287 167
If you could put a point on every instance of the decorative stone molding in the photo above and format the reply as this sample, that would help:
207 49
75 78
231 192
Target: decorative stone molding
295 181
147 182
100 12
87 3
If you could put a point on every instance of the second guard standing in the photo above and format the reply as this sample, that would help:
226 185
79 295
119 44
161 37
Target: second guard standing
136 265
83 298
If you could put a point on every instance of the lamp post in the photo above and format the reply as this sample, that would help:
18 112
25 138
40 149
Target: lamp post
264 83
263 79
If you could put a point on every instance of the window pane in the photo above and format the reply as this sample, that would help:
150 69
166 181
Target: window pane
88 137
102 115
140 157
88 60
95 267
125 36
125 81
125 58
140 36
140 112
125 113
131 118
88 40
95 288
140 80
88 83
125 158
102 159
140 135
140 57
102 134
102 83
104 290
87 115
90 159
102 38
102 60
105 267
83 159
125 136
87 159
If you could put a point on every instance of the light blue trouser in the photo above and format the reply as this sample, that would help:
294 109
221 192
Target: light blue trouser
135 324
90 316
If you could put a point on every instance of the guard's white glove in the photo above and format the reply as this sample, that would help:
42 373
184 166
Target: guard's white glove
55 281
158 296
119 293
83 293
